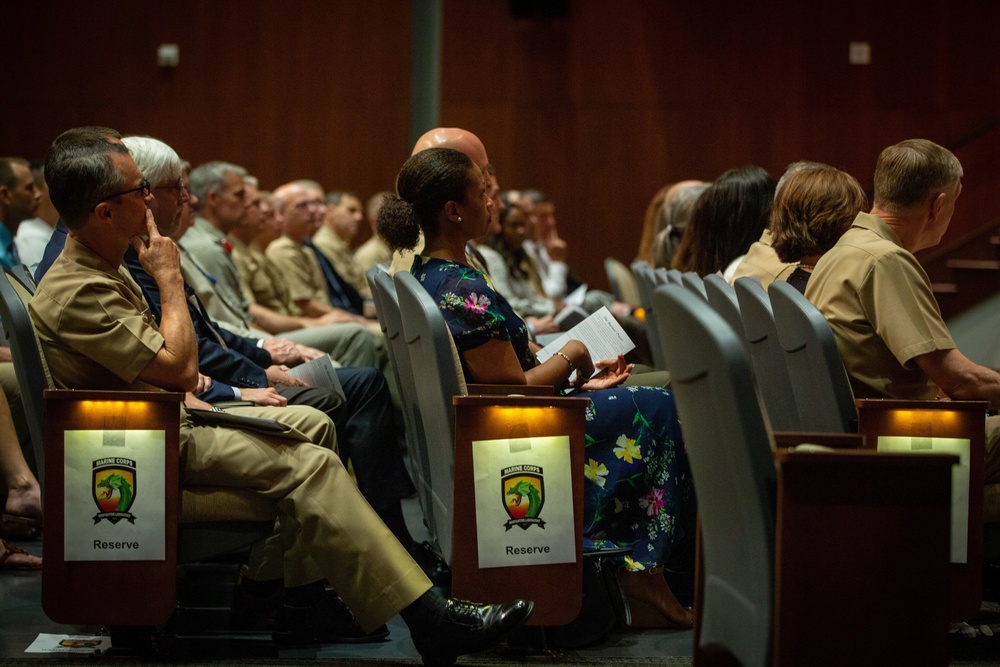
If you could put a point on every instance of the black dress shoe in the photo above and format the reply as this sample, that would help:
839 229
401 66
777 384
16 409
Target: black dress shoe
255 604
432 564
468 627
328 621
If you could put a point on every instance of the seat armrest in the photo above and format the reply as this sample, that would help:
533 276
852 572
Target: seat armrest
508 389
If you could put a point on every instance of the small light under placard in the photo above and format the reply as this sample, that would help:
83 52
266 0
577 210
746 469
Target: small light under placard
524 501
922 444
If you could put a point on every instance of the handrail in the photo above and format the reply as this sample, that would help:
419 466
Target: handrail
973 135
944 251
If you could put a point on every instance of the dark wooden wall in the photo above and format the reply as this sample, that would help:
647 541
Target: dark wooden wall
599 108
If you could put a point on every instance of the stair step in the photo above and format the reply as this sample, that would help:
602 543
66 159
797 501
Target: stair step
978 264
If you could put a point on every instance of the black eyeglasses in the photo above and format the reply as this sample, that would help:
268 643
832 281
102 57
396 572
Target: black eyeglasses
143 187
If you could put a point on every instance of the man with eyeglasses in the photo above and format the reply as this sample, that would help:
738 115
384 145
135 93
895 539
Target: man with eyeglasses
97 333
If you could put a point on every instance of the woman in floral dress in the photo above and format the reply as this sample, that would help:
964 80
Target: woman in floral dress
639 490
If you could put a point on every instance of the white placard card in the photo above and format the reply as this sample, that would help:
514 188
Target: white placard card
524 501
959 481
114 495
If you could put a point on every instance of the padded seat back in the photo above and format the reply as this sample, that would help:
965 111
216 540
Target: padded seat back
730 451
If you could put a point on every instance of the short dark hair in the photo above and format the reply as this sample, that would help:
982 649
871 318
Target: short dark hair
334 197
7 169
80 171
912 170
428 180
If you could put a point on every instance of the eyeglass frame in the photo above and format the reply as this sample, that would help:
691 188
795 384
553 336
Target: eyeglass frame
144 186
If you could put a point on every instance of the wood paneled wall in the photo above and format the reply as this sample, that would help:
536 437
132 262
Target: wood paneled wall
599 108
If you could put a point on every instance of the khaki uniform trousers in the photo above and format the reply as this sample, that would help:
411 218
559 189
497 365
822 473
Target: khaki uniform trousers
326 528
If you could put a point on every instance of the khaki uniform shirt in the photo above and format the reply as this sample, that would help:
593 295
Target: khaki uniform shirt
878 301
211 249
338 252
301 269
268 287
761 261
94 326
373 251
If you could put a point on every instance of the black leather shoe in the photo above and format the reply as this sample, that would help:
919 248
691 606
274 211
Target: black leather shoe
468 627
432 564
328 621
255 604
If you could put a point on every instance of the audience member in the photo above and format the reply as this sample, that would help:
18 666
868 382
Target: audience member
878 299
653 222
239 370
678 207
373 251
34 233
639 490
761 261
812 208
340 226
96 331
727 218
19 200
316 287
22 514
510 268
345 341
442 137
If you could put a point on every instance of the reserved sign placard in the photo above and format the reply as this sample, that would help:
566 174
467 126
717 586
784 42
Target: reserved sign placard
524 501
114 495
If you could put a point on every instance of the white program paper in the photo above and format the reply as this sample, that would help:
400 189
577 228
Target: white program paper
320 372
959 481
114 498
524 501
601 333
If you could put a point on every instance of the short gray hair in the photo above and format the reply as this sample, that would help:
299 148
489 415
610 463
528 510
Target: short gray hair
157 161
912 170
211 176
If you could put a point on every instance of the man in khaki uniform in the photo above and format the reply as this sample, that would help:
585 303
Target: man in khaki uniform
878 299
96 331
340 225
301 203
373 251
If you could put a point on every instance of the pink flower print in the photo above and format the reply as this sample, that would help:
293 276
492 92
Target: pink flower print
652 502
477 304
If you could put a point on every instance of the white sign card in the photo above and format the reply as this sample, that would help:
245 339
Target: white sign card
113 503
959 480
524 501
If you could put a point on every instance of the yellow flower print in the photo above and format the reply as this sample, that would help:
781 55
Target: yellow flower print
595 472
627 450
633 566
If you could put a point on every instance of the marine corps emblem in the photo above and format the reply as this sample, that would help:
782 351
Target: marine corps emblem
114 489
523 492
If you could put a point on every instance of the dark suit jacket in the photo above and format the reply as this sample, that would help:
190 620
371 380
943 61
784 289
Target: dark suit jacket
234 360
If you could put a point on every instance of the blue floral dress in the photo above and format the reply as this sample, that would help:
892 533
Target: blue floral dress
638 491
